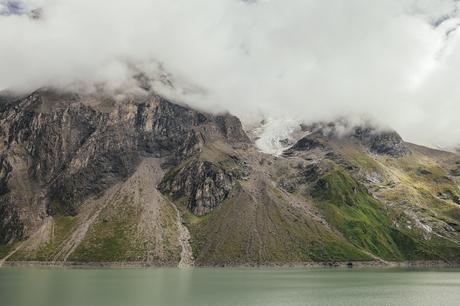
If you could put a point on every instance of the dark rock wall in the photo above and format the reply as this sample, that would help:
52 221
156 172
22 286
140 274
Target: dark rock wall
203 184
72 150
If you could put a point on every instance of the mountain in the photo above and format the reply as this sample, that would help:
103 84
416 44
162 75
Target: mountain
89 178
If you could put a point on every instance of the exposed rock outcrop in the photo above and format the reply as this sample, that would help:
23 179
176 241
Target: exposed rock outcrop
307 143
381 142
378 141
204 185
90 178
11 227
72 146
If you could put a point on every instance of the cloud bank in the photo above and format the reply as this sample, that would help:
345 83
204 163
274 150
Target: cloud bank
397 61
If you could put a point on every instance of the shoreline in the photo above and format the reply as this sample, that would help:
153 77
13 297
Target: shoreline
332 264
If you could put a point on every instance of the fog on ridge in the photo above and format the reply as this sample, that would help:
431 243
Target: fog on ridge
396 61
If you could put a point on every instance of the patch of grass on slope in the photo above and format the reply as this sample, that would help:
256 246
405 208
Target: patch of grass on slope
62 229
366 224
425 184
119 236
262 230
354 212
109 238
5 249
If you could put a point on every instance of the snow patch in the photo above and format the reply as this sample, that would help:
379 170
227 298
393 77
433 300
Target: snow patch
276 135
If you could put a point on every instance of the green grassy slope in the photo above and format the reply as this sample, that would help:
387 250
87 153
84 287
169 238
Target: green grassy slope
334 203
368 224
265 229
61 229
118 235
411 213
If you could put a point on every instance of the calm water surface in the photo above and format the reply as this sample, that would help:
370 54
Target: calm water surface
139 287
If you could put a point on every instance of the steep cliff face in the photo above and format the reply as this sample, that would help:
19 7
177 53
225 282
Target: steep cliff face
92 178
203 184
59 149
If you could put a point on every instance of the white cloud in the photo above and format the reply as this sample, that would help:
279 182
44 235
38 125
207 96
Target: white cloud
395 60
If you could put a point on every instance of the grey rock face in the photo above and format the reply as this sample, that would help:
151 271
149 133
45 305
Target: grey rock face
379 142
307 174
307 143
68 149
10 225
5 169
386 142
230 127
204 184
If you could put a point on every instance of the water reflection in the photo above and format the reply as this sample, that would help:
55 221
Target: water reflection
75 287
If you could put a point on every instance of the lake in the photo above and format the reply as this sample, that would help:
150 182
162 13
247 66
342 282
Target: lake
232 286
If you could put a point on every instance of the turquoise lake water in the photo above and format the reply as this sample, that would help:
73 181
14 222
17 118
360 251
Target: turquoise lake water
139 287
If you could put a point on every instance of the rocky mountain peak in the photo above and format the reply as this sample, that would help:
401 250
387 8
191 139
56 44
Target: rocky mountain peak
72 146
93 177
381 142
378 141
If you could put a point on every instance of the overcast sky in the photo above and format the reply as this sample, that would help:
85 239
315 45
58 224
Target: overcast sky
397 61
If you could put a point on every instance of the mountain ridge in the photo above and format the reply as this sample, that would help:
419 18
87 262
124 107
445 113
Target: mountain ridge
91 179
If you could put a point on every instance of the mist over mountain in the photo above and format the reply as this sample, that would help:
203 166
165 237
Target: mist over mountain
394 61
86 178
